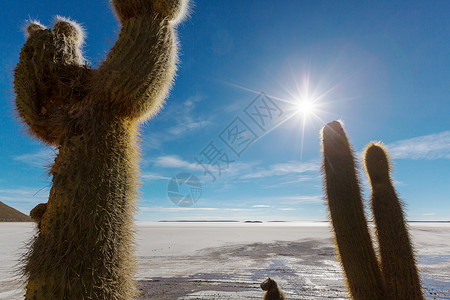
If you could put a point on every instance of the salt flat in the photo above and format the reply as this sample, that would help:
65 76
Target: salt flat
229 260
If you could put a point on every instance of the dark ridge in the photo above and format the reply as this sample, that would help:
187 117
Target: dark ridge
9 214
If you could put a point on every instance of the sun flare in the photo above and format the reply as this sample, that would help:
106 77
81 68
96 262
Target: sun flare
306 107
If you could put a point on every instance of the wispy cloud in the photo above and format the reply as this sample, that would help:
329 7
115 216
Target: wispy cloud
183 122
286 202
433 146
189 126
300 199
234 106
282 201
42 158
238 172
148 176
227 173
25 195
24 199
174 161
281 169
199 209
184 119
301 178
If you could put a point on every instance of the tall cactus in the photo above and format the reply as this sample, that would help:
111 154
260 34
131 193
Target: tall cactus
356 253
397 257
83 249
397 278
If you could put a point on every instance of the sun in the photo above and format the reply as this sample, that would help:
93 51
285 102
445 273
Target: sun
305 107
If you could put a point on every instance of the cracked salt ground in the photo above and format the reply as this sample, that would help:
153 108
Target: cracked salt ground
238 270
305 268
435 275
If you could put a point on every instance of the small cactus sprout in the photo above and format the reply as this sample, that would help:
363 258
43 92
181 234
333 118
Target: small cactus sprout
397 277
37 212
83 248
397 256
34 26
273 291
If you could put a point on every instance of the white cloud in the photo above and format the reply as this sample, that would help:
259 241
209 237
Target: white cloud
24 199
174 161
192 101
176 209
233 107
272 202
433 146
20 192
292 167
297 178
187 127
43 158
286 209
239 172
152 176
277 201
235 168
300 199
182 122
24 194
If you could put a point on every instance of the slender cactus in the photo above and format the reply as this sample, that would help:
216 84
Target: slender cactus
364 279
397 278
84 244
397 257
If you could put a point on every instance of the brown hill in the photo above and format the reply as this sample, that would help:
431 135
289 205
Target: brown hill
9 214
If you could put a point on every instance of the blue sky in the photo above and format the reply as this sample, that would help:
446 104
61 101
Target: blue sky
381 67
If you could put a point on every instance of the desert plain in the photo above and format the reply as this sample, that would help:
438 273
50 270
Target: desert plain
228 260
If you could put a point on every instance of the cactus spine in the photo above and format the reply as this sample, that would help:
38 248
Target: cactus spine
83 248
397 257
397 278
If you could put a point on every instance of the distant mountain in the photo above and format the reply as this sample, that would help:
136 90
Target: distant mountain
9 214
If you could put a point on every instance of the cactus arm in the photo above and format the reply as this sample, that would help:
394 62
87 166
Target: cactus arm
354 245
173 10
49 79
139 70
397 256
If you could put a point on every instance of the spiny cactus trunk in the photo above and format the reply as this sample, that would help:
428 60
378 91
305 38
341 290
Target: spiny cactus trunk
84 247
352 237
397 257
85 238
